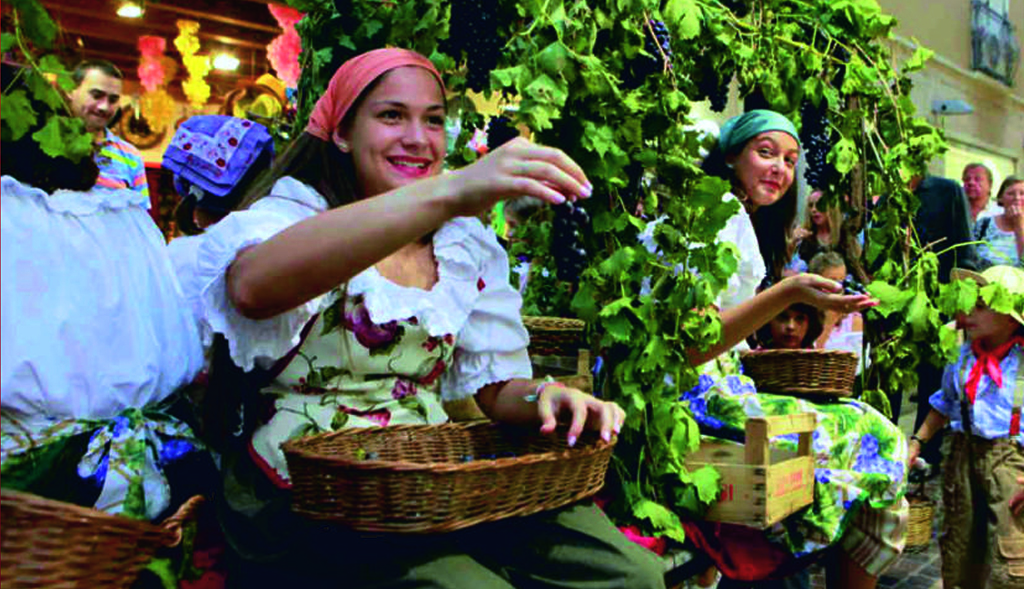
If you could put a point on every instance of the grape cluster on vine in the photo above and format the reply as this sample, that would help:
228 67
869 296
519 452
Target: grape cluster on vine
852 287
816 138
474 31
714 86
658 56
500 131
567 227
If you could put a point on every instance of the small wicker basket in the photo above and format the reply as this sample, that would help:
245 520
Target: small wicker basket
922 512
439 478
57 545
801 372
919 523
555 336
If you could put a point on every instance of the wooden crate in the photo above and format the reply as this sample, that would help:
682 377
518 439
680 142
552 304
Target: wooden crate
761 485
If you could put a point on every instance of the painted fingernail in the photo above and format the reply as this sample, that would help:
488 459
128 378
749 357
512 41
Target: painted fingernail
606 436
572 441
559 199
588 190
618 428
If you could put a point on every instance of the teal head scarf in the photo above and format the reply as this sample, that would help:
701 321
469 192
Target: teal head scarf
738 130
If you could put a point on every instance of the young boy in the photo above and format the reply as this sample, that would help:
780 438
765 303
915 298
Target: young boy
982 541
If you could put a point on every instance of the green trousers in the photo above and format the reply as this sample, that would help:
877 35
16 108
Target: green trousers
575 547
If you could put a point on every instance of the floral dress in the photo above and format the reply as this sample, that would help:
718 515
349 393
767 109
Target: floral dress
374 353
860 455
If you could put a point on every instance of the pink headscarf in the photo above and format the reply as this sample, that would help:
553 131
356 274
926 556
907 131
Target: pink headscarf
352 78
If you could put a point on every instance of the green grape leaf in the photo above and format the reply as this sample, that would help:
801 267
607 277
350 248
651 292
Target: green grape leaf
918 60
684 16
64 137
35 22
18 113
843 155
43 91
7 42
891 299
661 518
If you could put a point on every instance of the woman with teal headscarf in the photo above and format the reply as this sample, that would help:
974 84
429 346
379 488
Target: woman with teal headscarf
859 454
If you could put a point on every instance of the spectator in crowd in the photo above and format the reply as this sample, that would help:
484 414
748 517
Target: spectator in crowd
1003 234
96 99
977 181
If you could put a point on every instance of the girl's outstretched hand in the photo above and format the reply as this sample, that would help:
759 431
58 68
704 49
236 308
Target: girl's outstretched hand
826 294
580 410
517 168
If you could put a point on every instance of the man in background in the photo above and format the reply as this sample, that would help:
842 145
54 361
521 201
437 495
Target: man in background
95 100
977 181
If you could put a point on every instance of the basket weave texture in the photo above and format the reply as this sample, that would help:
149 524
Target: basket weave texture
439 478
802 372
59 545
555 336
919 523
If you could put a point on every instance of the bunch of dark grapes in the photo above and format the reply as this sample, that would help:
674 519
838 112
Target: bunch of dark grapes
567 228
817 142
653 62
852 287
664 42
474 31
714 86
500 131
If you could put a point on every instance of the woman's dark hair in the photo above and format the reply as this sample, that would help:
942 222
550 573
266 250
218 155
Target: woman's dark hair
815 325
324 167
184 212
25 160
1007 183
772 224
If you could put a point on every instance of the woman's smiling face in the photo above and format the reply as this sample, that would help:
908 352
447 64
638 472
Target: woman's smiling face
397 135
766 167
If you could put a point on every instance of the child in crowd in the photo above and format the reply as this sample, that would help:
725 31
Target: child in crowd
982 541
841 331
214 159
797 327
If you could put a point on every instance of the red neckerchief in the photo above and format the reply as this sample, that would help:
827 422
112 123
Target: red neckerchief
988 363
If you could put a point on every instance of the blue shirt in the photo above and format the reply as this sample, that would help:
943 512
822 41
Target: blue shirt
990 413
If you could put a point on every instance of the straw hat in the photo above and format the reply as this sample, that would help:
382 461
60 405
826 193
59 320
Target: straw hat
1011 278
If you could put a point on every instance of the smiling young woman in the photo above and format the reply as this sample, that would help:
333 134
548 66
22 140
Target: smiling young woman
358 289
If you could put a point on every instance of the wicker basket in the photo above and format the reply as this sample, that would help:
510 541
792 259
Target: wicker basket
59 545
801 372
555 336
439 478
919 523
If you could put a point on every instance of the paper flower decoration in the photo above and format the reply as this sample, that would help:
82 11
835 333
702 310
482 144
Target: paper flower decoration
197 91
283 51
151 67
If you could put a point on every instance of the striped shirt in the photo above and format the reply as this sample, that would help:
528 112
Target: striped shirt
121 165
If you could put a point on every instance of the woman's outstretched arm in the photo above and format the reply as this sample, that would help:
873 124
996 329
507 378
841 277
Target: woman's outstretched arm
744 319
319 253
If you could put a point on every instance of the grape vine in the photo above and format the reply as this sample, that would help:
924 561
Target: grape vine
611 83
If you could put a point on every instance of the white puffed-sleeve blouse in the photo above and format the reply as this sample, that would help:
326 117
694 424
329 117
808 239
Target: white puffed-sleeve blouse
490 338
93 318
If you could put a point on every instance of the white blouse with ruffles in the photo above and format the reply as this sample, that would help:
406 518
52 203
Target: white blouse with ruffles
491 339
93 319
